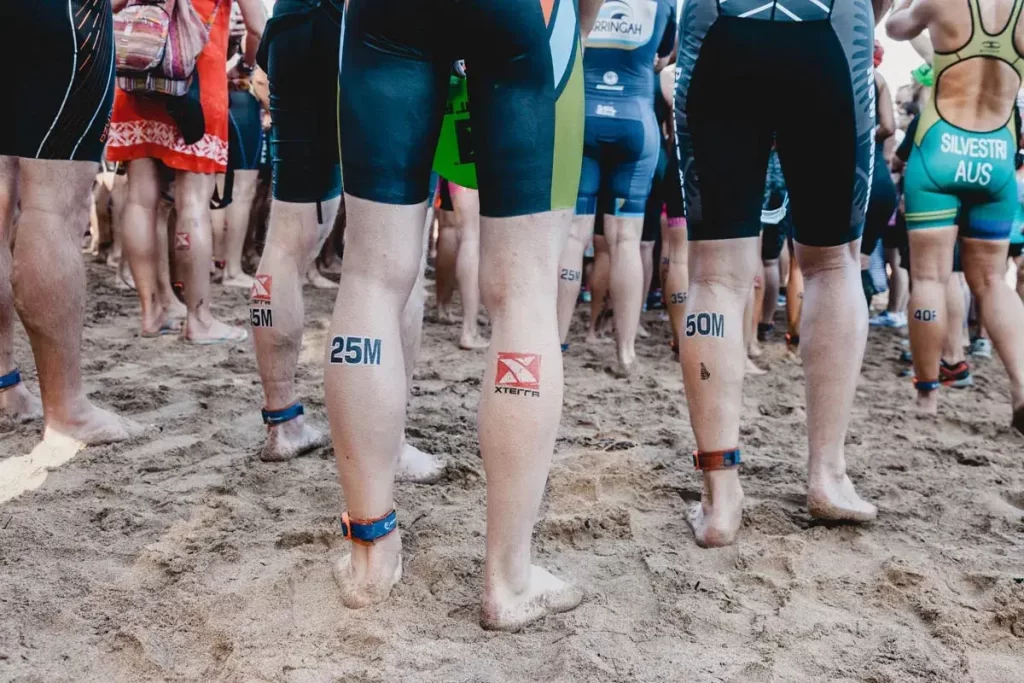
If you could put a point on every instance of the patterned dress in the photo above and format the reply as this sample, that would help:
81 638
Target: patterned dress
141 128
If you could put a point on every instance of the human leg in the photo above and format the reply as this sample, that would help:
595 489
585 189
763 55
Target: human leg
467 266
625 285
141 243
599 277
48 279
237 214
15 400
193 249
570 272
931 258
1002 311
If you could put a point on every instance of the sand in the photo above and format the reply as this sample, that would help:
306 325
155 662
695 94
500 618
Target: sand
181 557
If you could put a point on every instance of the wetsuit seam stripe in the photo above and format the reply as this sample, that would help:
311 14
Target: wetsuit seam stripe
99 105
71 81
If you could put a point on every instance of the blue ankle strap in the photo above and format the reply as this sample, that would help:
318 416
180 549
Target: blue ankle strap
926 385
10 379
366 531
276 417
565 347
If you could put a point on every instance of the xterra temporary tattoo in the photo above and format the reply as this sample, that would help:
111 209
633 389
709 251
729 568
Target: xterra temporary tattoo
570 275
678 297
182 241
926 316
705 325
261 288
518 374
355 350
705 374
260 313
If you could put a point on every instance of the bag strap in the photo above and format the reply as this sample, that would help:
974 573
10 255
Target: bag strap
213 14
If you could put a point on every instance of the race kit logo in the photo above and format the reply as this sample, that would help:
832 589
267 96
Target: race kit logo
260 314
182 241
518 374
624 24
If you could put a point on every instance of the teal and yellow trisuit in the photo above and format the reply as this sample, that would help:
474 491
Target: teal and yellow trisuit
952 168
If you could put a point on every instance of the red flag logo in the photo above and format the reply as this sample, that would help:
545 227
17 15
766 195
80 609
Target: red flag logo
518 371
261 288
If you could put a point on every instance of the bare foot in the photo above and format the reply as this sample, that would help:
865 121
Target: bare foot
315 279
176 310
927 402
241 280
216 333
291 439
123 279
716 519
836 499
94 426
418 467
367 574
642 332
545 594
444 315
754 350
753 370
19 404
473 342
591 337
159 324
624 369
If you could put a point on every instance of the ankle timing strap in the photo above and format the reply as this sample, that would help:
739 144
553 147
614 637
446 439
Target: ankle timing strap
276 417
716 460
367 531
10 379
926 385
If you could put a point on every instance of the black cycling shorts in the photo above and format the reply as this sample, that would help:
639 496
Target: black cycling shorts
245 131
751 72
59 83
525 82
299 52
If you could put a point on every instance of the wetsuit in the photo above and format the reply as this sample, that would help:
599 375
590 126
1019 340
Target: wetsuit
775 221
795 71
953 170
656 199
622 137
525 90
299 52
883 200
59 83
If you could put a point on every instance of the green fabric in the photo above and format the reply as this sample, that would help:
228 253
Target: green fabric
454 161
924 75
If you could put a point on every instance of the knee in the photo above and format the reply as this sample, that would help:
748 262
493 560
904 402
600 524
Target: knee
982 278
816 261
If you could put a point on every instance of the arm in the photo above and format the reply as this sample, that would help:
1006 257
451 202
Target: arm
118 5
886 117
667 81
908 19
255 17
588 16
881 7
922 44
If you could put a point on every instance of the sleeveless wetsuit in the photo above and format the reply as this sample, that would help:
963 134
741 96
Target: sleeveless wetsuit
525 93
59 85
622 139
798 72
952 168
883 200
